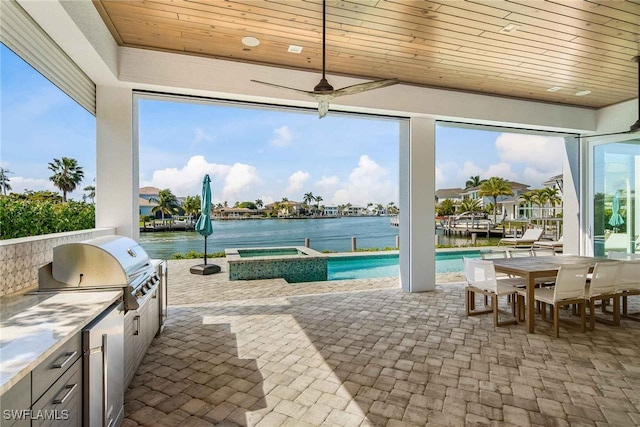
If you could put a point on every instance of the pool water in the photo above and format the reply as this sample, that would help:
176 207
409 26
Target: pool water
251 253
365 267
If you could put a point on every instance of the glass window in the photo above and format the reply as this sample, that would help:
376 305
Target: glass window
616 213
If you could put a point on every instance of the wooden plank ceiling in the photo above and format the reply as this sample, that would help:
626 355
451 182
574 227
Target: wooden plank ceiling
570 45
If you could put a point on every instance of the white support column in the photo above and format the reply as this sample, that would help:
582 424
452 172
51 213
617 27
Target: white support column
117 162
572 233
417 205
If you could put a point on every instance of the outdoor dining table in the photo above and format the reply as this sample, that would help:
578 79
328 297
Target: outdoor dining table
532 268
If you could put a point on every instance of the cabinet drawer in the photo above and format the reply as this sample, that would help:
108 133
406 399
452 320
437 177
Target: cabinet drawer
15 404
61 405
55 365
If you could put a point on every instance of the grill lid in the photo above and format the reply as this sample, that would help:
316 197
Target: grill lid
103 261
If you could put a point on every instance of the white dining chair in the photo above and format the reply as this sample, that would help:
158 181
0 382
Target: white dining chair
543 252
518 253
602 287
481 278
569 289
628 284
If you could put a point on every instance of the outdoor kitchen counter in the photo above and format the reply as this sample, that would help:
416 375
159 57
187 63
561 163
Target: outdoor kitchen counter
34 326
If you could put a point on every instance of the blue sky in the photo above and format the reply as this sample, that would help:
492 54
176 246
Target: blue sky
250 153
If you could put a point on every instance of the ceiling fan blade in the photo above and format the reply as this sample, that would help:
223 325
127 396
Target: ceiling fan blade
363 87
624 132
306 92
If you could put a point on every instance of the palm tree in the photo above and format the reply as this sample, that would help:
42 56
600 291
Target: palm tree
191 206
66 175
553 197
167 203
4 180
308 198
92 192
495 187
541 198
259 203
470 205
318 200
529 198
379 208
473 181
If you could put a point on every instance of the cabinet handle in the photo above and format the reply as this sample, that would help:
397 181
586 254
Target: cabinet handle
69 357
68 389
137 331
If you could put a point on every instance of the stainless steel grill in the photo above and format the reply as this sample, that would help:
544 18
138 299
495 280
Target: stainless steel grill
101 263
111 262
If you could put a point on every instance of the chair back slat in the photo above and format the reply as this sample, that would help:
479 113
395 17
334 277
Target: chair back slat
629 278
571 282
604 278
532 234
480 273
519 253
494 255
544 252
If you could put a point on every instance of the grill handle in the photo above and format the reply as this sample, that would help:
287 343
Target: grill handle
137 320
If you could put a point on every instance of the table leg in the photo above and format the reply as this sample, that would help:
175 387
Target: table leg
531 304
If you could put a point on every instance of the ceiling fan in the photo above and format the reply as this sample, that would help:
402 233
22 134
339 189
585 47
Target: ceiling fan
634 127
323 92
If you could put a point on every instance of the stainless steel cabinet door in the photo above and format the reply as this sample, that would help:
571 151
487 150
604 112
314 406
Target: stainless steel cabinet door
103 363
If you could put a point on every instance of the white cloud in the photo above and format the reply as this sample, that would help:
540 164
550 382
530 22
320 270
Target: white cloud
237 179
540 152
534 177
200 136
327 184
468 170
282 137
267 200
368 182
20 183
296 182
528 159
501 170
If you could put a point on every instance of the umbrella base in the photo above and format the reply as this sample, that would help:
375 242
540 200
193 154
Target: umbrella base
205 269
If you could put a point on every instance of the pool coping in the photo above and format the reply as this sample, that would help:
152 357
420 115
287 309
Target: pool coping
232 254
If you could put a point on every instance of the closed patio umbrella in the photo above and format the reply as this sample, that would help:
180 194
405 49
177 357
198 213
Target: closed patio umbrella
616 219
205 228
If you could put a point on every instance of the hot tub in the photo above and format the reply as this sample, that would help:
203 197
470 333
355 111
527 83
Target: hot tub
294 264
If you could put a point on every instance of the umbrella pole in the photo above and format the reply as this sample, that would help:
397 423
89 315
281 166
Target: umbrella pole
205 250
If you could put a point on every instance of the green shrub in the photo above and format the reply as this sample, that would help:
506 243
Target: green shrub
196 255
22 217
387 248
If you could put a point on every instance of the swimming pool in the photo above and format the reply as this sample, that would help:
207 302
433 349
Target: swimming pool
386 265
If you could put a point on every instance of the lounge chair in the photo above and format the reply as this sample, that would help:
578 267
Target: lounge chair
549 244
617 242
527 240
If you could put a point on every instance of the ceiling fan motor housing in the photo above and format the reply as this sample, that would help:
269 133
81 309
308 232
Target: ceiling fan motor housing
323 86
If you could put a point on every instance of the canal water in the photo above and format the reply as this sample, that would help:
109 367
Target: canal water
333 234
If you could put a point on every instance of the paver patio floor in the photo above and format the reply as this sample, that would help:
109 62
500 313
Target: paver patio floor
360 353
